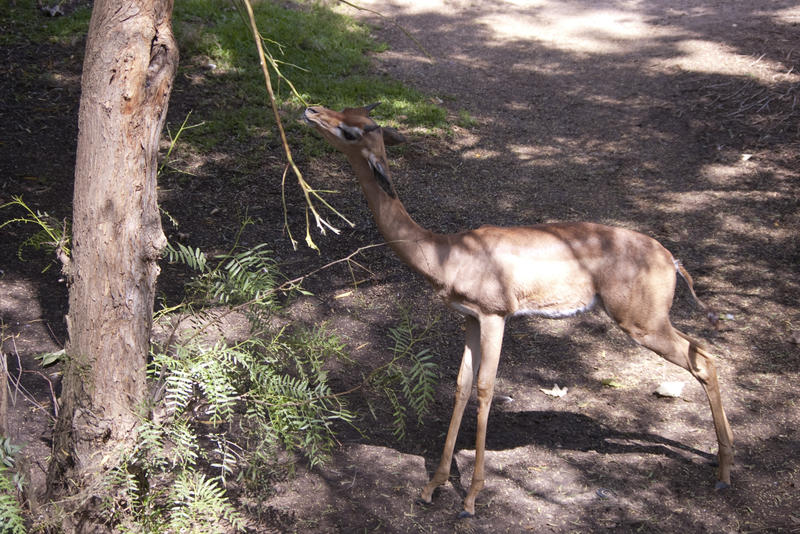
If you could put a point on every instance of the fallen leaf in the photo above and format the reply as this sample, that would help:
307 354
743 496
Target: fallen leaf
611 383
670 389
555 392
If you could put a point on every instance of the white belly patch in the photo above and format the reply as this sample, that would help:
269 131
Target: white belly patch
550 313
556 313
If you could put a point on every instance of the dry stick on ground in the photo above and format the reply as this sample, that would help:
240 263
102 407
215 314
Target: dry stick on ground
9 384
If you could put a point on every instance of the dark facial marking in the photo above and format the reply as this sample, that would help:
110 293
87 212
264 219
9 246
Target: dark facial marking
380 176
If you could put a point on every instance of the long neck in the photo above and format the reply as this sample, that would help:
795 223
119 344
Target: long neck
415 245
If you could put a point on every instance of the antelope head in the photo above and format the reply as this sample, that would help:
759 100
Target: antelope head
354 133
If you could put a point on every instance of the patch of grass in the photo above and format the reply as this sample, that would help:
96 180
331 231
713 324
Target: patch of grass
23 21
323 53
466 120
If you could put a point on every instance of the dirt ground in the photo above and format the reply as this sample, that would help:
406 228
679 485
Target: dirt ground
677 119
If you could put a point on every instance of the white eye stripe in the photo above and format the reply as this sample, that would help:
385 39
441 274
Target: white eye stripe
350 133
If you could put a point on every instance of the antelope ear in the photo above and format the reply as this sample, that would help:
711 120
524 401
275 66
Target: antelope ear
379 172
392 136
372 127
363 111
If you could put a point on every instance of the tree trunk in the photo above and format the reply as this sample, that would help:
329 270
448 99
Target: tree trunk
130 63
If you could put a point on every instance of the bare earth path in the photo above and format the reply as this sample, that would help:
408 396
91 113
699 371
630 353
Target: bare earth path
678 119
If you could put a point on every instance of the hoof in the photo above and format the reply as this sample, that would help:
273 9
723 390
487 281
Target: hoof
463 514
720 485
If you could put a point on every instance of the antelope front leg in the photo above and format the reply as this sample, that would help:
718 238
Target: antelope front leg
491 340
469 363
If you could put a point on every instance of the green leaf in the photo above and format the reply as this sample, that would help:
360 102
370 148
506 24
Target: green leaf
50 358
611 383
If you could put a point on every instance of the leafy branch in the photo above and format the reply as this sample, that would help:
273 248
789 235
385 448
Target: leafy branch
222 409
49 235
417 384
308 191
196 260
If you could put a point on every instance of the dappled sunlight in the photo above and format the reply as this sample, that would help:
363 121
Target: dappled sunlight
542 155
479 153
576 28
752 214
728 175
584 30
700 55
789 15
677 120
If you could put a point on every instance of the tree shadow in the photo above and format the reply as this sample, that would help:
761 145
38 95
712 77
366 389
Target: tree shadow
623 129
579 432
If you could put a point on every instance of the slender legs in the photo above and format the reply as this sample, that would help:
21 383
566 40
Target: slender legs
470 364
701 365
481 356
678 348
491 341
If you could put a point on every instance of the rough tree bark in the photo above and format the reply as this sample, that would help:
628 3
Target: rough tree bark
128 70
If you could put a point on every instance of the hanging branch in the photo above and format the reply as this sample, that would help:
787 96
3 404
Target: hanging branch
265 58
398 25
308 191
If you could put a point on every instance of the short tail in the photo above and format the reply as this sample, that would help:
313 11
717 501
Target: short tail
711 315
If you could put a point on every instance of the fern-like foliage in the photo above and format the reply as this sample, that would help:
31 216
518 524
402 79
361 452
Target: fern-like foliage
194 258
280 385
233 278
11 515
10 510
249 275
246 278
223 408
199 505
409 379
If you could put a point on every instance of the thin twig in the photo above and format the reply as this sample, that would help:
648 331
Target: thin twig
308 191
18 388
285 211
398 25
288 285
